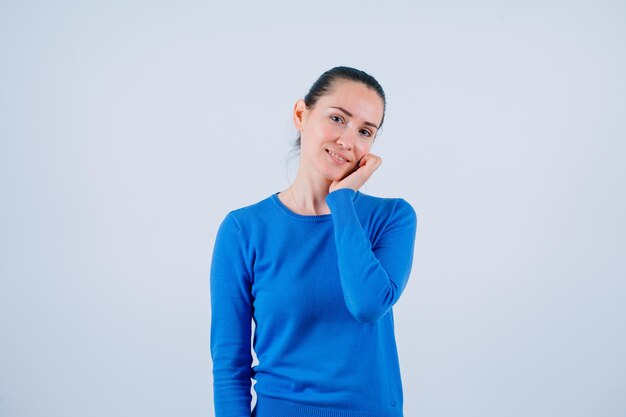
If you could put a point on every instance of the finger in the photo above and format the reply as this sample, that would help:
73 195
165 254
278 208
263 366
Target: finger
372 160
365 159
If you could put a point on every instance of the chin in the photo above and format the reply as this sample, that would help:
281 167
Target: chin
340 176
332 176
336 174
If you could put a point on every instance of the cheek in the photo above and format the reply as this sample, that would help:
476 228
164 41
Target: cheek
328 131
362 148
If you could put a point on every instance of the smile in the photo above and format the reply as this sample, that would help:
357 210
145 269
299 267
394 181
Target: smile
336 158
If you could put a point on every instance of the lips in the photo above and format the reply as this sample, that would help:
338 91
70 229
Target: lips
339 153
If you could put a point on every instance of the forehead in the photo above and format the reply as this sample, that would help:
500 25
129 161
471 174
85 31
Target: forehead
360 100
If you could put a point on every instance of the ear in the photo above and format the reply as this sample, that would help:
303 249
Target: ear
299 110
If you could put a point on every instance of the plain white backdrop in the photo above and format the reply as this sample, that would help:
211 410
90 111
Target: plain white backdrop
129 129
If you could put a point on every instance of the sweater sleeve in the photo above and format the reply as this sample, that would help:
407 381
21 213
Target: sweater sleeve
372 278
231 316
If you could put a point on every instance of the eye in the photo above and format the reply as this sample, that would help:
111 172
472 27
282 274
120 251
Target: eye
366 132
336 118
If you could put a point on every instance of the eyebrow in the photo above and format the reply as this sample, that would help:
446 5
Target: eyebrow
350 114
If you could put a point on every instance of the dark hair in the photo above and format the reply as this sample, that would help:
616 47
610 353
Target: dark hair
325 82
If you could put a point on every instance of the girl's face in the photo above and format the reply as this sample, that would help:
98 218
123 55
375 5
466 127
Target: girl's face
344 122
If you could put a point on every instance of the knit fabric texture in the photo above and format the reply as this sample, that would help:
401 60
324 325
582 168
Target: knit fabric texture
320 291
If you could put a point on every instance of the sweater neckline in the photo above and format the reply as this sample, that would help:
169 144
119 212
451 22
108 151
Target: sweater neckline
305 217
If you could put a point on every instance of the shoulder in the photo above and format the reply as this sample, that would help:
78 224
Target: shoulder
393 217
251 214
387 218
393 208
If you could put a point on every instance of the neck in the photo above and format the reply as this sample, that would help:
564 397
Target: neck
309 192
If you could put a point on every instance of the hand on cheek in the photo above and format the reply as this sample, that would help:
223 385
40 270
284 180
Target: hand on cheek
355 179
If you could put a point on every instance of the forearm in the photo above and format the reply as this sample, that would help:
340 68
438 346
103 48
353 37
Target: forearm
372 279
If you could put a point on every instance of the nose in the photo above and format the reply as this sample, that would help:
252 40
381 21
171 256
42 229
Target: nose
346 140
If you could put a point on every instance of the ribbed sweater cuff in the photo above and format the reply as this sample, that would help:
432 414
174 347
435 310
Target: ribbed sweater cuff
341 204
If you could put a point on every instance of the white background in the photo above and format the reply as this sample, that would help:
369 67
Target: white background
129 129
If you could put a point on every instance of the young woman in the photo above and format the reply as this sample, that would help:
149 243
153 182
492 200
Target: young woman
318 267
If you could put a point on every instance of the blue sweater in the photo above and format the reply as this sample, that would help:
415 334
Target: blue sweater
320 290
